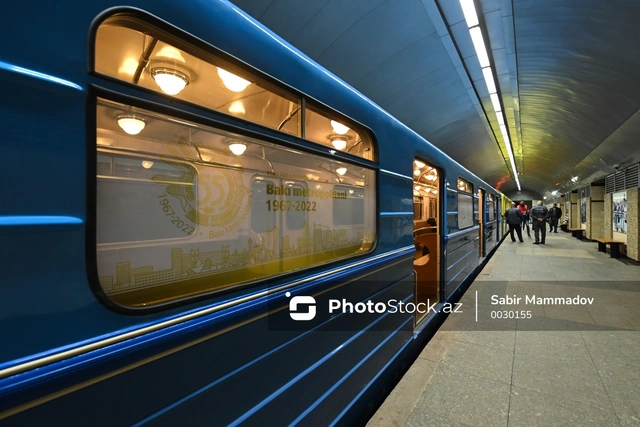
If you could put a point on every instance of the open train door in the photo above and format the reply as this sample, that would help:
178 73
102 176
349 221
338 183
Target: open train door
427 200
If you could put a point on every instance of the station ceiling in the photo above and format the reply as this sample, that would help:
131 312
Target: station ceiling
567 74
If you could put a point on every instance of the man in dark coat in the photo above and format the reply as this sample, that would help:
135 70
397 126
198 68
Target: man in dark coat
555 213
514 219
539 215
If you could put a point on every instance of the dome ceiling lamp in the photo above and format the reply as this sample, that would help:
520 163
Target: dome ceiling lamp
132 124
339 141
237 148
339 128
232 82
170 80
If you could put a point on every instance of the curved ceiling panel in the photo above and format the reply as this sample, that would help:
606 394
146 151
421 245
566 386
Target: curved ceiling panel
577 74
566 71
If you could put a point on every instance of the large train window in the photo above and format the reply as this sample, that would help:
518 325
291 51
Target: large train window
185 209
465 204
132 51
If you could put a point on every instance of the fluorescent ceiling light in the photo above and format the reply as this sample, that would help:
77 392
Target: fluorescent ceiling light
496 102
488 78
478 44
500 118
469 11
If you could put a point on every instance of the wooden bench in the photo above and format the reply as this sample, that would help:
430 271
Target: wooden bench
615 246
576 232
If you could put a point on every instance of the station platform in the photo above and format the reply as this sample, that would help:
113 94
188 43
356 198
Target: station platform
565 365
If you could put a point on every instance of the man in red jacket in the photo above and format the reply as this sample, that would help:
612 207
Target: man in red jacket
524 210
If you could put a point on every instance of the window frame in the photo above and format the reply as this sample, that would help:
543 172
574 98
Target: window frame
112 89
473 204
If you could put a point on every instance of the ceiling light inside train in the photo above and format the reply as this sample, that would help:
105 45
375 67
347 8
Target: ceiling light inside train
339 143
339 127
237 108
233 82
237 148
131 124
419 164
416 172
147 164
341 170
171 81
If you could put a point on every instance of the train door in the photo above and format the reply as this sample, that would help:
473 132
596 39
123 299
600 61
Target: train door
426 234
481 219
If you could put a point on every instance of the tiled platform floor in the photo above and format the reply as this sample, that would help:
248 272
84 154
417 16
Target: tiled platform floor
567 365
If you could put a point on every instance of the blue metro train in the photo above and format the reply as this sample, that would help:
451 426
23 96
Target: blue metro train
200 225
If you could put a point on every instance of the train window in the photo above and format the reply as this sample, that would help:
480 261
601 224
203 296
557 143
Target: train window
491 206
348 205
132 51
337 134
185 209
418 207
466 206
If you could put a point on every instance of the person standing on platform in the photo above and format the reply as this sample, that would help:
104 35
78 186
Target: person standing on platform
524 210
514 219
539 215
555 213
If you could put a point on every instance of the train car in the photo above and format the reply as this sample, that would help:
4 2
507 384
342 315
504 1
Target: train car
202 226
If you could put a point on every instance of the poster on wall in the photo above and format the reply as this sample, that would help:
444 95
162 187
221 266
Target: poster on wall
567 209
583 211
620 212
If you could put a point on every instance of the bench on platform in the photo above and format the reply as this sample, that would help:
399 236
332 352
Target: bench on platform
615 246
576 232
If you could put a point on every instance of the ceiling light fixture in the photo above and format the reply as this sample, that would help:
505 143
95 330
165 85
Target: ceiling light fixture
237 148
339 142
419 164
237 108
147 164
130 123
233 82
341 170
495 100
473 23
574 179
469 11
488 79
478 44
339 127
170 80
